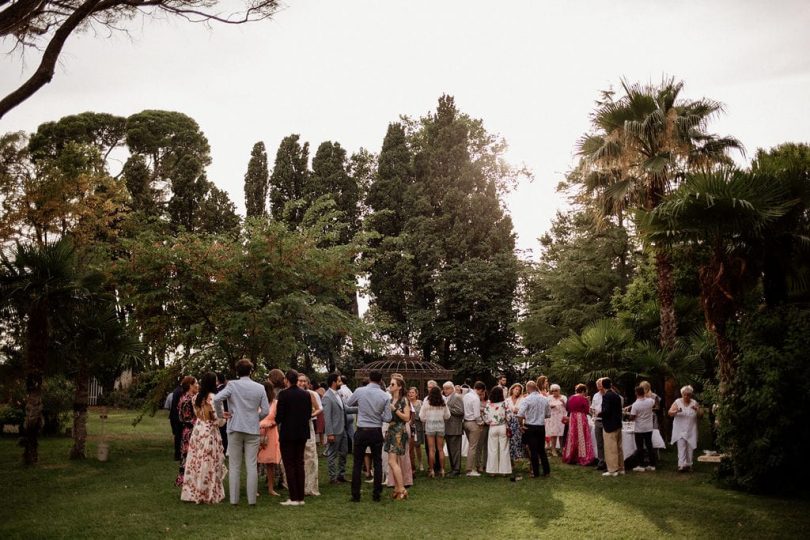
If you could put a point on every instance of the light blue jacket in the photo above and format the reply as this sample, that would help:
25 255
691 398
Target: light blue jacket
247 403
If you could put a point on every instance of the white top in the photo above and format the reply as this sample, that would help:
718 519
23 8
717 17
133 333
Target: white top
345 392
642 409
472 407
433 417
596 404
684 424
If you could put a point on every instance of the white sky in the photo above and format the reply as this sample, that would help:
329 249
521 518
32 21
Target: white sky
341 70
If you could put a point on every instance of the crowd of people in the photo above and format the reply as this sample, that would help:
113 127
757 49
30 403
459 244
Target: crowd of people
280 426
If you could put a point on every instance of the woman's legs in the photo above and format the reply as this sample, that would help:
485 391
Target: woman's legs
396 472
554 441
440 446
431 446
271 479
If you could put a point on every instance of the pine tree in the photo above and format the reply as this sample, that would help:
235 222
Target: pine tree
287 181
256 182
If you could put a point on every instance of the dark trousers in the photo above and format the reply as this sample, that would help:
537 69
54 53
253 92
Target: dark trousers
600 442
454 452
177 431
644 446
535 438
292 454
367 438
223 433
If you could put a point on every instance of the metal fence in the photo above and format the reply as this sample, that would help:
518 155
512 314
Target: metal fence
94 392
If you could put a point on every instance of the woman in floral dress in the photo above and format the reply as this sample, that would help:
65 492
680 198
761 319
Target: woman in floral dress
496 415
205 462
554 425
578 445
396 438
515 439
185 408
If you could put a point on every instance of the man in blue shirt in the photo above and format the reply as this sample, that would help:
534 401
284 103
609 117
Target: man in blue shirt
373 408
532 414
247 405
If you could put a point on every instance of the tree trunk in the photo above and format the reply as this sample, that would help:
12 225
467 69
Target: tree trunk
82 383
669 324
36 358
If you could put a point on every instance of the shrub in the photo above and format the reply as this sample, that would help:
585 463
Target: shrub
763 422
11 415
57 404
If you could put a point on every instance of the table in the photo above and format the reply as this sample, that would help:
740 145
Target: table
629 439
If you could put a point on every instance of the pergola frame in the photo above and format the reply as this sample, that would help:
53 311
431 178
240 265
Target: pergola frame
414 370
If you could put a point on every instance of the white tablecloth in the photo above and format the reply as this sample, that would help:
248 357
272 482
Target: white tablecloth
629 439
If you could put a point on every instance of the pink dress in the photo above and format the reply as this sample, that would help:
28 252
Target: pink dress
554 425
272 452
578 446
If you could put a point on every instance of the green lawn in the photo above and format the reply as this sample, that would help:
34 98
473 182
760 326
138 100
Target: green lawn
133 495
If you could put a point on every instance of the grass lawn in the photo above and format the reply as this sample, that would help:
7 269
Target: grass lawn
132 495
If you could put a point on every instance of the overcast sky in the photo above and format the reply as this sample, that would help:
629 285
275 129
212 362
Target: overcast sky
343 69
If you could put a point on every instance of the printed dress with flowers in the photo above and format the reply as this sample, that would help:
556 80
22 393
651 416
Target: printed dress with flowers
187 418
396 439
516 440
205 463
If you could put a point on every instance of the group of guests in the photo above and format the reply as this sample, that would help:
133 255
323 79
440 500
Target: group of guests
274 425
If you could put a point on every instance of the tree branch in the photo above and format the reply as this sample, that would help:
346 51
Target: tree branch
47 65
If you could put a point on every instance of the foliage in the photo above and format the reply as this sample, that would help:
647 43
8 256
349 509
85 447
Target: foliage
572 285
57 402
763 420
287 182
257 180
437 204
257 296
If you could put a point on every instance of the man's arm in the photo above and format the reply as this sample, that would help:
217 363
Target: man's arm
329 426
264 408
386 416
352 401
457 407
219 397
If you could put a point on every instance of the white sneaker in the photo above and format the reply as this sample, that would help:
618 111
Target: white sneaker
288 502
299 503
639 469
473 473
610 473
650 468
621 472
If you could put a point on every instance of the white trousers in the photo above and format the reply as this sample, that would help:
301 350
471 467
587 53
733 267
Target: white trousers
498 461
684 453
247 445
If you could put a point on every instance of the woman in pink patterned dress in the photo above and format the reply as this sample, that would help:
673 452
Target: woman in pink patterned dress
578 446
205 463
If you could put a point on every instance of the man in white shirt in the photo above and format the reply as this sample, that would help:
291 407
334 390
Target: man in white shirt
345 393
532 414
473 423
642 412
596 408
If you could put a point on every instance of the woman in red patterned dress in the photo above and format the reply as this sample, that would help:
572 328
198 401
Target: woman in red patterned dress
578 446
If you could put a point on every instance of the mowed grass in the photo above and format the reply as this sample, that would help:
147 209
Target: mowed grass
133 496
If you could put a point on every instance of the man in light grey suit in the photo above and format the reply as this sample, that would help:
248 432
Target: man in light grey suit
337 438
247 405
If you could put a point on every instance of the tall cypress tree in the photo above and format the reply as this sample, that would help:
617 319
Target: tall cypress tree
288 180
257 181
331 176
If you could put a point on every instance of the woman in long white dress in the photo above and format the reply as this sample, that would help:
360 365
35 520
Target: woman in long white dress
311 448
685 413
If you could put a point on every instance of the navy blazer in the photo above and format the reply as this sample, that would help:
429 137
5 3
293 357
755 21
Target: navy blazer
293 414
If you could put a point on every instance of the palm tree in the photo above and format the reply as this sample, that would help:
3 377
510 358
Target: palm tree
728 211
36 283
96 342
641 146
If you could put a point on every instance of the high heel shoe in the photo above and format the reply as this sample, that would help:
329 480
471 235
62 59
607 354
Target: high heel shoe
442 473
401 495
432 473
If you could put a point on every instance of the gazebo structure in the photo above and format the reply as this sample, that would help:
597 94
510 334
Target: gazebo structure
414 370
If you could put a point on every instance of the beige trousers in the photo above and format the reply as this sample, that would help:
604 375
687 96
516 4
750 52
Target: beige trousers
614 454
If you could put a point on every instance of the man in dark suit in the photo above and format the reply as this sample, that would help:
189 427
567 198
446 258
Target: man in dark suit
453 427
611 415
293 415
174 418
